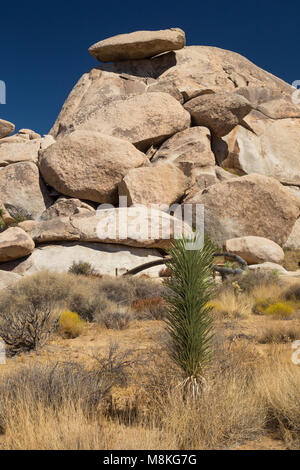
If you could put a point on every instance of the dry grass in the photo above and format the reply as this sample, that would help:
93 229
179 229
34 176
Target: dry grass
252 387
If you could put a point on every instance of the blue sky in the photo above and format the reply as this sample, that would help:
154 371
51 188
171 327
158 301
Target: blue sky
44 44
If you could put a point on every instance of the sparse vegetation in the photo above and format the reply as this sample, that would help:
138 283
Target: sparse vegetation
130 398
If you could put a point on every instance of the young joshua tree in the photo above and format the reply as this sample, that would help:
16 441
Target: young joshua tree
189 318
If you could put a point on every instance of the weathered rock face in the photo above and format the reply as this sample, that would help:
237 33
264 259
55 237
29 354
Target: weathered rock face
89 165
189 146
190 150
15 244
6 128
293 242
273 150
269 267
143 119
249 205
134 226
255 250
158 184
7 279
22 191
19 152
138 45
220 112
65 207
105 258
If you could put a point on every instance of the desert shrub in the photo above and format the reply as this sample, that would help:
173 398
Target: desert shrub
260 306
280 310
81 268
152 308
292 293
249 281
70 324
27 328
276 334
55 384
117 319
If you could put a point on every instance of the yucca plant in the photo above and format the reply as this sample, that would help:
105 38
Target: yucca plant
189 317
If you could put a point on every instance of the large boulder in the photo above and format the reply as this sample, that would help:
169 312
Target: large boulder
271 148
193 70
105 259
191 151
133 226
255 250
22 191
6 128
142 119
191 146
220 112
89 165
162 184
248 205
138 45
15 244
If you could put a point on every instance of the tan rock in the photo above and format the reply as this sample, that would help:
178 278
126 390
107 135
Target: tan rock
293 242
138 45
5 215
137 226
255 250
161 184
104 258
143 119
273 150
269 267
220 112
22 191
94 90
166 87
89 165
28 132
7 279
191 145
248 205
15 244
6 128
65 207
19 152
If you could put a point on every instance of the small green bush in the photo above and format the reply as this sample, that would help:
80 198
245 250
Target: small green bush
81 268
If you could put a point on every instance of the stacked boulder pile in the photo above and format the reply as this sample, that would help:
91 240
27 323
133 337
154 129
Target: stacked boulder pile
160 123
